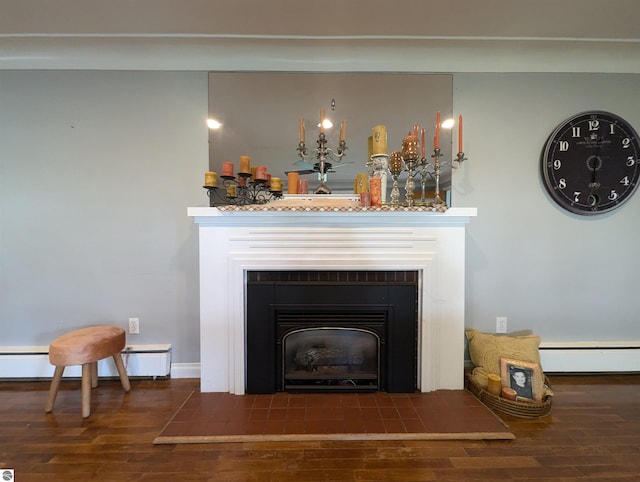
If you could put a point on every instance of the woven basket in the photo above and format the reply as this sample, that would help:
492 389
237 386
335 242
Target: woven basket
517 408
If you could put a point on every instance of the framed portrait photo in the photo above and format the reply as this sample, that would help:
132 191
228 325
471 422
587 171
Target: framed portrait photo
524 377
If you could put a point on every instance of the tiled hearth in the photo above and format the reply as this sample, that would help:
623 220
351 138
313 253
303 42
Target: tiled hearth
220 417
233 243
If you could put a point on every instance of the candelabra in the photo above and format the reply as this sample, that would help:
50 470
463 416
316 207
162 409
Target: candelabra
323 155
241 191
419 165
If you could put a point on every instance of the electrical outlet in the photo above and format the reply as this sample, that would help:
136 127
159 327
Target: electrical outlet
501 324
134 326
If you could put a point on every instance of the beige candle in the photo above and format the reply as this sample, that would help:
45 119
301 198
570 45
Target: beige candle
292 182
361 183
379 140
343 130
276 184
322 121
211 179
245 164
369 147
494 384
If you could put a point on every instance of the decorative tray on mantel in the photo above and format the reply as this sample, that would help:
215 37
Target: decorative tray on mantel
327 203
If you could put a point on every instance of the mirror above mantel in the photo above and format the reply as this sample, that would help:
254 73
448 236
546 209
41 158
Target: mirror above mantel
260 114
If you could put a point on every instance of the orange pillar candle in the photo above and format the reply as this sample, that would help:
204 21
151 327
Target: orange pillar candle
292 182
375 187
460 133
423 152
301 129
227 169
261 173
436 142
211 179
245 164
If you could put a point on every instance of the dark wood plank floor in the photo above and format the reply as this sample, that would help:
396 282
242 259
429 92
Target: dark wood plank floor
592 434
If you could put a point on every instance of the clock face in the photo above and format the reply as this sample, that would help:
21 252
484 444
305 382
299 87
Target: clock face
590 163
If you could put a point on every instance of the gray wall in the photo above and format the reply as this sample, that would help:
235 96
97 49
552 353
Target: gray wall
565 276
97 170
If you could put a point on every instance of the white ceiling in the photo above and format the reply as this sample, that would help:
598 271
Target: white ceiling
328 35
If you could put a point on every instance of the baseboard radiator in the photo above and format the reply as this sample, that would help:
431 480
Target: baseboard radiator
33 362
590 356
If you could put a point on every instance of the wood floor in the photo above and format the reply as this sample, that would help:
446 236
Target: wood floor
592 434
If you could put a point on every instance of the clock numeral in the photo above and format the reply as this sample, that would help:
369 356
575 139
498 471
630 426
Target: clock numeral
594 125
557 164
612 195
575 130
626 142
564 146
630 161
562 183
625 181
576 196
611 129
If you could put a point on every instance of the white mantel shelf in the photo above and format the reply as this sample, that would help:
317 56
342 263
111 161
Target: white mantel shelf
360 217
236 240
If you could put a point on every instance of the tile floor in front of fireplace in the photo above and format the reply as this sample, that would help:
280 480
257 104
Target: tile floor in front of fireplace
442 411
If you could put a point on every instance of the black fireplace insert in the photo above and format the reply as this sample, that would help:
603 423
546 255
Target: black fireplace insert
331 331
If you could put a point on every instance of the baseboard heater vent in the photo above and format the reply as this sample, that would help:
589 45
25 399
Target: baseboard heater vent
590 356
33 362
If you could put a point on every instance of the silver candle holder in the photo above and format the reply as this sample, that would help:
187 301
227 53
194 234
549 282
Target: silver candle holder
323 155
417 165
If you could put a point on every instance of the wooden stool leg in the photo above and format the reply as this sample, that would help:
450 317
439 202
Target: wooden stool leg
86 390
117 358
53 390
94 374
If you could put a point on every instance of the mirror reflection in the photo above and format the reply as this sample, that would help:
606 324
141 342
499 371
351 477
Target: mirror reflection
260 117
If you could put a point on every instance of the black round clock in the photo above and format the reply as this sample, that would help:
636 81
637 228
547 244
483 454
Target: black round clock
590 163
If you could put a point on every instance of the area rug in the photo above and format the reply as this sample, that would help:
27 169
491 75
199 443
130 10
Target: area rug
439 415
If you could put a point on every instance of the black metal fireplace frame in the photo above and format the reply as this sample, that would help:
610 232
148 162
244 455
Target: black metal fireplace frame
393 295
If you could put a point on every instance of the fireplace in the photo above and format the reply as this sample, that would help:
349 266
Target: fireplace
235 241
331 331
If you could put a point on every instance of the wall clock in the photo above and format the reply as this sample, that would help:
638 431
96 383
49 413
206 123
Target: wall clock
590 162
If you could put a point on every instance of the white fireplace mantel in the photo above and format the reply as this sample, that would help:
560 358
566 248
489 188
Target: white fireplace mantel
233 242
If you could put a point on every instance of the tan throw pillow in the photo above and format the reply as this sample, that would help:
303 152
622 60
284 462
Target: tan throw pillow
486 350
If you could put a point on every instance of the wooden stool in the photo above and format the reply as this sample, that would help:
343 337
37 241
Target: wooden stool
85 347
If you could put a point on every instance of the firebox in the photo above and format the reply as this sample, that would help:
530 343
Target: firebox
331 331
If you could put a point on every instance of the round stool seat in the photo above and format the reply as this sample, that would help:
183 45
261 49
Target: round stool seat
86 345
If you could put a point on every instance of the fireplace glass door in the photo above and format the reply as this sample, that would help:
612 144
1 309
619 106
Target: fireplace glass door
329 358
